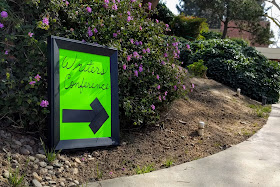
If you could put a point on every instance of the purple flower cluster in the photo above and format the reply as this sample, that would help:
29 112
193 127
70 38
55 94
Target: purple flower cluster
128 58
115 7
88 9
44 103
129 18
30 34
150 5
90 33
45 21
4 14
136 55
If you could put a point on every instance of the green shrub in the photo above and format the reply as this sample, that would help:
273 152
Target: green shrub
198 68
163 13
238 66
211 35
240 41
188 27
147 75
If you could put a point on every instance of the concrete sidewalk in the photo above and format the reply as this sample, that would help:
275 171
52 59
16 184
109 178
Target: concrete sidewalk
255 162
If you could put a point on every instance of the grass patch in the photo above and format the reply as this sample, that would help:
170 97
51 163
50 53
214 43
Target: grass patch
145 169
261 111
247 133
50 154
168 163
15 179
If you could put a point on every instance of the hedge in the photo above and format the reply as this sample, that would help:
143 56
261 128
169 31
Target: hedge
148 77
238 66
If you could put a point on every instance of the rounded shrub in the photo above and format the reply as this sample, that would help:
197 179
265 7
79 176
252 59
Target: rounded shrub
149 73
238 66
188 27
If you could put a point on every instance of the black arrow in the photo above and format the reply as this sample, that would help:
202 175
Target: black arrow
97 116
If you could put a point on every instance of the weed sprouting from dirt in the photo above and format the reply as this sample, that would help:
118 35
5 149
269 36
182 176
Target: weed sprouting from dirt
50 154
261 111
15 179
168 163
145 169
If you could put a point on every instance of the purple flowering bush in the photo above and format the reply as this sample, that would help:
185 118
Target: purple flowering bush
150 76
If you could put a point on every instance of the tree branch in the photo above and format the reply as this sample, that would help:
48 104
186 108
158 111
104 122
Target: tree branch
273 19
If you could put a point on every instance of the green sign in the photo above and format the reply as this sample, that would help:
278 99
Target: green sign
84 94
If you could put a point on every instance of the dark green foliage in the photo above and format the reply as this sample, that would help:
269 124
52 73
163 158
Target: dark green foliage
238 66
187 26
163 14
198 68
240 41
211 35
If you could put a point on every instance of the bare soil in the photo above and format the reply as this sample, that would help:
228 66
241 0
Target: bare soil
173 140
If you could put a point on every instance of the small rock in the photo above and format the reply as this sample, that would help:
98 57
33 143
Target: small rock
43 164
32 158
43 171
62 184
90 159
69 179
52 182
17 142
41 151
36 160
16 156
36 183
24 151
32 142
76 182
28 147
48 178
35 166
68 163
124 143
56 164
4 163
243 122
49 167
96 154
51 172
72 184
41 156
75 164
61 157
75 171
15 146
6 174
78 160
60 169
36 176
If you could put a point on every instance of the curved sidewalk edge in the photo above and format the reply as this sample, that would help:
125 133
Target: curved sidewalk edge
255 162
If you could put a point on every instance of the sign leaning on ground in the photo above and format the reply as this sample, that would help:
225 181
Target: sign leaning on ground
83 94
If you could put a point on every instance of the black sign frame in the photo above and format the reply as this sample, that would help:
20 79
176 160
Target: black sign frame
54 44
